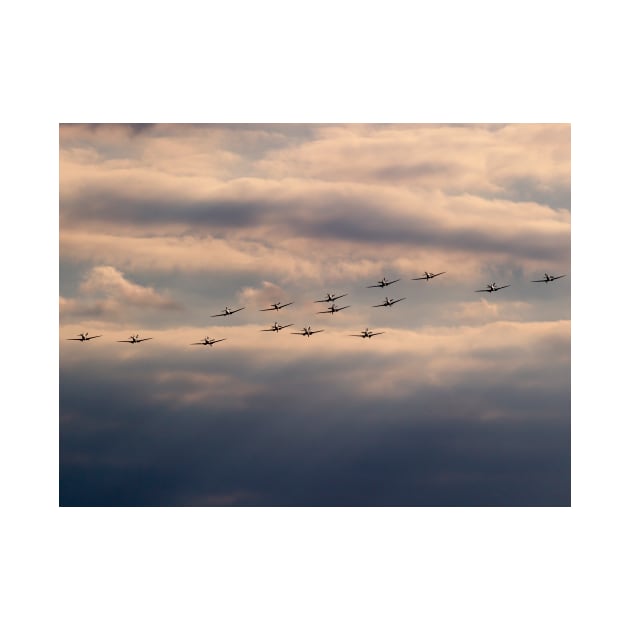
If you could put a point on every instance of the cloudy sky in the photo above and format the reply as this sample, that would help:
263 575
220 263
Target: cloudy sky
465 400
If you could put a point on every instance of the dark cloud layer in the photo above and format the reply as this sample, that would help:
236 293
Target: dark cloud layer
338 217
311 444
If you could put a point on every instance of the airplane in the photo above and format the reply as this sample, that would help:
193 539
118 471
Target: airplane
334 309
276 327
84 337
428 275
382 283
331 297
549 278
276 307
491 287
207 342
307 332
228 311
389 302
134 339
367 333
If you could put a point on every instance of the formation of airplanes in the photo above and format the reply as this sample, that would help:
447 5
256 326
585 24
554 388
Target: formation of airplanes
332 309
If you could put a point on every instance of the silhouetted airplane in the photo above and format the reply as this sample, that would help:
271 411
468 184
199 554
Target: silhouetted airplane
84 337
207 342
276 327
549 278
307 332
276 307
334 309
428 275
382 283
366 334
389 302
134 339
228 311
331 297
491 287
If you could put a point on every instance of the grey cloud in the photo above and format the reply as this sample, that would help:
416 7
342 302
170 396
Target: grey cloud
336 217
528 189
406 171
303 436
302 450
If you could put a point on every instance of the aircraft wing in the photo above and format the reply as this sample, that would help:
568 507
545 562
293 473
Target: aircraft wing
273 308
236 310
217 340
398 300
505 286
125 341
145 339
384 304
219 315
287 304
556 277
74 339
316 331
483 291
539 280
94 337
392 281
379 333
342 307
285 326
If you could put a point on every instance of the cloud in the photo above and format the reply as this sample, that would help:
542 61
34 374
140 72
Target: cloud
465 400
106 292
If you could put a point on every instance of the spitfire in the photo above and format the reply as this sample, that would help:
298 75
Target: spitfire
84 337
228 311
367 334
307 332
389 302
206 341
548 278
276 327
135 339
428 275
382 283
490 288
